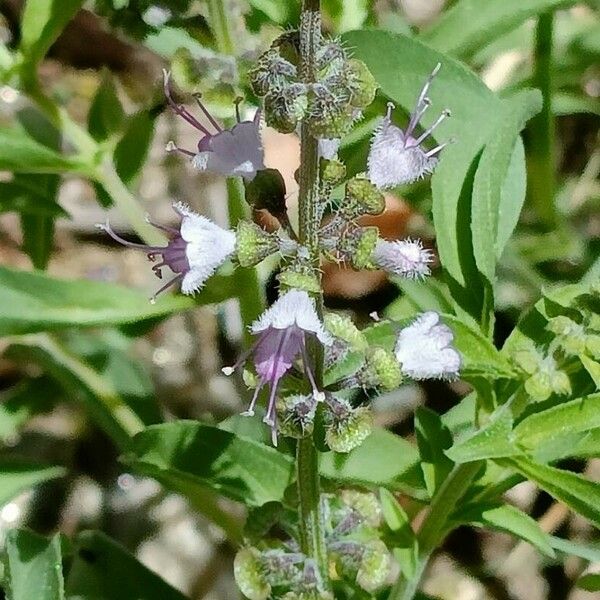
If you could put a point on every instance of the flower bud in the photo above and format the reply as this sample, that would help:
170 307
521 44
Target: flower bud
560 383
357 245
366 504
332 172
271 72
592 345
362 198
332 124
342 327
301 277
381 370
329 53
253 244
362 83
249 574
527 359
285 106
346 427
297 415
538 386
374 566
267 192
570 335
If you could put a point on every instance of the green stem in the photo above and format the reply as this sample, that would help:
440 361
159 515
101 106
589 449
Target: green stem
540 130
312 535
220 26
435 526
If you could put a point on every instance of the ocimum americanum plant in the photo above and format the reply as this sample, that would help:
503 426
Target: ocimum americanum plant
313 86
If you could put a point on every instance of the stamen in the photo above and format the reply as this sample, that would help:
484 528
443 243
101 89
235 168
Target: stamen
237 102
439 148
172 147
166 286
317 395
160 226
250 411
390 107
108 229
227 371
157 269
415 117
178 108
429 130
213 121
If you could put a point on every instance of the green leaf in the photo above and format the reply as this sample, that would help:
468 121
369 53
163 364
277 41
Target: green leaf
191 456
277 11
592 367
33 301
20 153
492 441
432 438
488 185
16 478
41 24
577 492
471 24
589 582
510 519
397 520
132 149
102 568
106 114
33 566
347 14
585 551
576 416
382 460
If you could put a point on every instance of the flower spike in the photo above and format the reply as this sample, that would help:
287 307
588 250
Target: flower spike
194 252
396 156
230 152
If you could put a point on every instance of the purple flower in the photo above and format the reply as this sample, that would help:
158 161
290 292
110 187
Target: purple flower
230 152
282 332
424 349
194 251
396 156
406 257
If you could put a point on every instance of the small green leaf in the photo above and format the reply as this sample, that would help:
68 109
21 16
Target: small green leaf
191 455
433 438
592 367
471 24
510 519
15 478
589 582
102 568
382 460
132 149
41 24
33 566
397 520
577 492
106 114
569 548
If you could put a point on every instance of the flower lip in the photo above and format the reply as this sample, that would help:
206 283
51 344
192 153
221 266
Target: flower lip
406 257
234 151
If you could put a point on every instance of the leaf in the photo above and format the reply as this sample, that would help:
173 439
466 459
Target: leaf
20 153
592 367
33 566
347 14
132 149
33 301
510 519
590 582
585 551
41 24
576 416
192 455
432 438
577 492
382 460
492 441
471 24
397 520
16 478
102 568
489 181
279 12
106 115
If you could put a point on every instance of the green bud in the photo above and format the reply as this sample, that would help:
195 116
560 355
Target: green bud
363 197
364 503
272 72
312 595
570 335
297 415
253 244
335 125
365 241
250 379
267 192
527 359
539 386
342 327
374 566
248 574
381 370
362 83
562 325
559 381
332 171
300 277
285 106
592 345
348 429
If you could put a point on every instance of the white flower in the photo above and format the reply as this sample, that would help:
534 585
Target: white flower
406 257
396 157
424 349
230 152
328 147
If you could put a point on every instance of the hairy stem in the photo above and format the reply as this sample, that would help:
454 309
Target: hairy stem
312 536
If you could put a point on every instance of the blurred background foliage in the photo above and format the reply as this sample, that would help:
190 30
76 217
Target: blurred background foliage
87 362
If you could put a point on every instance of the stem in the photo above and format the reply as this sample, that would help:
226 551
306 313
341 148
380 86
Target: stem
220 26
541 155
435 525
312 535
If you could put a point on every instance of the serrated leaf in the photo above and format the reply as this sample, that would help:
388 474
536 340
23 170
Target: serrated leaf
102 568
510 519
17 477
192 455
471 24
577 492
33 566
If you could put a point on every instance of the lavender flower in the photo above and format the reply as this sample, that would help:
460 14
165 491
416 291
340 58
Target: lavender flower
235 151
396 156
194 251
406 257
283 330
424 349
